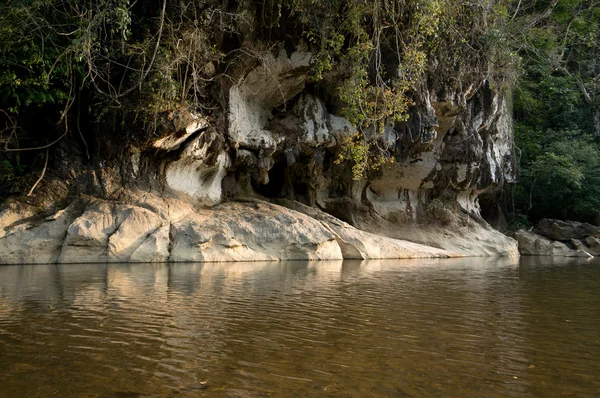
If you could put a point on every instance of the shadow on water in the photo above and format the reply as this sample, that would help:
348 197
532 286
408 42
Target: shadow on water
459 327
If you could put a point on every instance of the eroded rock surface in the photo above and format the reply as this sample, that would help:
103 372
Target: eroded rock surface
534 244
203 187
566 230
152 229
560 238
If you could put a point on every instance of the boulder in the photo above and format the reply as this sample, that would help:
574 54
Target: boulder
161 229
593 245
533 244
29 243
566 230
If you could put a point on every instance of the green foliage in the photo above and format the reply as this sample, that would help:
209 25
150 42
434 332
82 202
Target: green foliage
125 62
560 176
362 156
9 172
519 221
380 51
556 104
34 69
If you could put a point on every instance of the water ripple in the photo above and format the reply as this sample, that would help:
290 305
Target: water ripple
468 328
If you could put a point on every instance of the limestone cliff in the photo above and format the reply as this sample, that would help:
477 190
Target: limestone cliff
260 178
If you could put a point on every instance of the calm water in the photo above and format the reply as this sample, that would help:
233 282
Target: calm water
450 328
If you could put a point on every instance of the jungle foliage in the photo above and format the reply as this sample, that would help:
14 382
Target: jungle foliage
557 111
122 63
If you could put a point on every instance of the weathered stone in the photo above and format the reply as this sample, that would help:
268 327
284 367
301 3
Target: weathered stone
276 139
201 168
593 245
154 248
12 213
461 238
251 100
174 140
314 121
105 231
394 239
30 244
87 236
532 244
566 230
135 226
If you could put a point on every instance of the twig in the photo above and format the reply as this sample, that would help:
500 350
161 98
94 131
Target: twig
145 73
87 152
43 173
36 148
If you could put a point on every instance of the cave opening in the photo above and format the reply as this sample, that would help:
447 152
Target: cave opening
285 183
492 212
274 188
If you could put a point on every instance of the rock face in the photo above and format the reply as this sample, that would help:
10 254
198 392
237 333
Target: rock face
566 230
205 188
532 244
560 238
156 229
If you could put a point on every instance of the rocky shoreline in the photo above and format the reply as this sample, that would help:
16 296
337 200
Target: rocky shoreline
560 238
149 228
266 180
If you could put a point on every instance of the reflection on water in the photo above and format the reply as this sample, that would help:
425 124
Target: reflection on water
460 328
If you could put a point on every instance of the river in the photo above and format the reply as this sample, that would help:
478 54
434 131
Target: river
451 328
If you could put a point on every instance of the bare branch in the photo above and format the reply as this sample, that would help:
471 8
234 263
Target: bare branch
42 175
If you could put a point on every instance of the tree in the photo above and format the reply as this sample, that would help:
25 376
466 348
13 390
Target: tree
557 108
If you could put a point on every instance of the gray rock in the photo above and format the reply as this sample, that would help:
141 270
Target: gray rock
533 244
593 245
566 230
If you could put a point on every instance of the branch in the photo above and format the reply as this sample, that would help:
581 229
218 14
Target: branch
146 72
541 16
516 11
42 175
36 148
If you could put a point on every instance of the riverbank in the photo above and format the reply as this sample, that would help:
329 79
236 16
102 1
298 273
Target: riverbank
146 227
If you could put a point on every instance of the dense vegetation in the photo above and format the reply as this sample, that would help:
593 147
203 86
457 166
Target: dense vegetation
557 113
107 69
96 71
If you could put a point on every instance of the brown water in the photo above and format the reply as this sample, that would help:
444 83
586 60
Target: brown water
450 328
